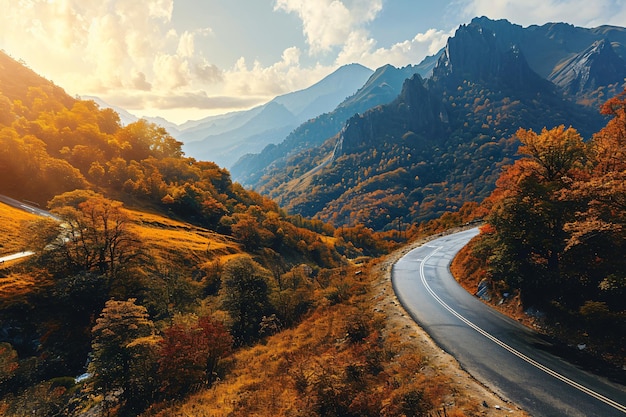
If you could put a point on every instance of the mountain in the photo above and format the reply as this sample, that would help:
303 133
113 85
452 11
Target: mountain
325 95
382 87
444 140
273 120
596 67
195 130
224 143
561 53
16 79
127 117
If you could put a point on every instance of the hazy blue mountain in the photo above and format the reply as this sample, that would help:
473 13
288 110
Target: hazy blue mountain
273 120
194 130
126 117
383 86
224 140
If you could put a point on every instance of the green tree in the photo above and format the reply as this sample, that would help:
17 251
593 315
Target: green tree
246 297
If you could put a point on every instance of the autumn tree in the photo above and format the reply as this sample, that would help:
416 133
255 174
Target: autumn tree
190 354
8 364
124 345
597 234
530 217
95 236
141 140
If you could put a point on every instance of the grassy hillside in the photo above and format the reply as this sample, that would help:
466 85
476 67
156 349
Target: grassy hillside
11 229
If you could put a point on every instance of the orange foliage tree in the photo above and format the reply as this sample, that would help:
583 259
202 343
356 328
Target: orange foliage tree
190 355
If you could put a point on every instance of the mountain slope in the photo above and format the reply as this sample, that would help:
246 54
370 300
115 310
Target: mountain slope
382 87
597 67
226 139
554 49
441 143
274 120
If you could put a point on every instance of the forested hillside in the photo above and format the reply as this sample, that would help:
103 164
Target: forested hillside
153 263
444 140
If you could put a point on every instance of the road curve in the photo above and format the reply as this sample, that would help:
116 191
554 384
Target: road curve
512 360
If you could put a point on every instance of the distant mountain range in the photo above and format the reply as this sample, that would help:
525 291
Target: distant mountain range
382 87
225 139
444 139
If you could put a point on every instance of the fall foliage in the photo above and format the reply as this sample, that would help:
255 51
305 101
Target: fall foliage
555 232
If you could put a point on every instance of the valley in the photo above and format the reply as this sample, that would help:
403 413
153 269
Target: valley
243 264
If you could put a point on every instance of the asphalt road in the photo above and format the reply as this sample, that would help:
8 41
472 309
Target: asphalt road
512 360
26 207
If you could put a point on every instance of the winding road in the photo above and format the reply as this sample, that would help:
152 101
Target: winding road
509 358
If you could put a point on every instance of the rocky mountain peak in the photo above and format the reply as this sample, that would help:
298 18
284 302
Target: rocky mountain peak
478 53
595 67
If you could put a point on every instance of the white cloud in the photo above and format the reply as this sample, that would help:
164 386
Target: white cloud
359 48
281 77
171 72
328 23
186 45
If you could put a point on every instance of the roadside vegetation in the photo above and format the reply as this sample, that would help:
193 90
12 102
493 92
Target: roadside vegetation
555 237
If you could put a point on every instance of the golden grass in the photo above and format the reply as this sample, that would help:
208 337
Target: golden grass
167 239
12 238
15 285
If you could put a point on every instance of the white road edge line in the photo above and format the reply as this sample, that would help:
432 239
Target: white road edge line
520 355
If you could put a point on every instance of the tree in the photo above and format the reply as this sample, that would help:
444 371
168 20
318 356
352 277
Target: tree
555 151
190 353
530 217
96 236
124 343
246 297
8 364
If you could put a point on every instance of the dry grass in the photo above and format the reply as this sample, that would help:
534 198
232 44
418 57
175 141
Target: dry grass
168 239
15 285
12 238
277 378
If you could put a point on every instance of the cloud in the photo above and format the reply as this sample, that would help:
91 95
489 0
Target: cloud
171 71
139 82
186 45
328 23
188 99
281 77
360 48
207 72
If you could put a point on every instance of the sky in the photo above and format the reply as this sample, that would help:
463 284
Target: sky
188 59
